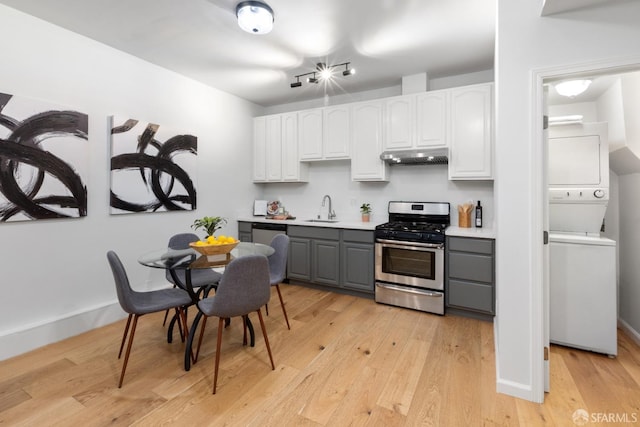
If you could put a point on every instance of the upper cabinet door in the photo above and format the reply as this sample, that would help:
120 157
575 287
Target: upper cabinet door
259 150
274 148
336 133
471 151
431 123
399 113
310 134
366 134
292 169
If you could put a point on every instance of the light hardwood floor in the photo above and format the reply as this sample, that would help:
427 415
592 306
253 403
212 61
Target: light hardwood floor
345 361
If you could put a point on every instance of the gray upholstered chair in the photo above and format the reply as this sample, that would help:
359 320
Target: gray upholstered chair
278 267
244 288
202 279
140 303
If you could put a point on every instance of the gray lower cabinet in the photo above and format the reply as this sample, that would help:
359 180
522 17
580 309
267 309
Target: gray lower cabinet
470 276
244 231
332 257
357 260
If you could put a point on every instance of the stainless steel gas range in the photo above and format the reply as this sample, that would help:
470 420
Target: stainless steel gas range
409 260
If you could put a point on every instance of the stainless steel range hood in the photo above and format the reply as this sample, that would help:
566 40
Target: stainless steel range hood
423 156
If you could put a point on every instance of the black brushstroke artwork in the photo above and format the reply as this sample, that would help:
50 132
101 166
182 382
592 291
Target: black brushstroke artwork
159 175
21 153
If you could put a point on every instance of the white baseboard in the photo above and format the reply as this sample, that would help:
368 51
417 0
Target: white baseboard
30 337
633 334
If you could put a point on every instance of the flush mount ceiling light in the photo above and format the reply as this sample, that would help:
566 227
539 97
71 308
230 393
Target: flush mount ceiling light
255 17
323 72
571 88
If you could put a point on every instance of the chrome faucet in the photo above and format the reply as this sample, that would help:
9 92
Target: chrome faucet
330 213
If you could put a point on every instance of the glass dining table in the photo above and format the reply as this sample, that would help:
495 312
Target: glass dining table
188 260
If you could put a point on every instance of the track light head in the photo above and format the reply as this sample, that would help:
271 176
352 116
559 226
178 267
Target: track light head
296 84
312 80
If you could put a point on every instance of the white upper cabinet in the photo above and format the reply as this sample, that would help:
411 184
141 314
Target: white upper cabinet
337 126
310 134
432 119
471 140
399 113
292 169
275 149
366 142
259 150
324 133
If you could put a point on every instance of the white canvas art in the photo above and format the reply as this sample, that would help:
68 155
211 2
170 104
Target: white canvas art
153 168
44 160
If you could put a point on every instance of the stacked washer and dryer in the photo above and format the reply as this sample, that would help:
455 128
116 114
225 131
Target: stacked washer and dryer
582 263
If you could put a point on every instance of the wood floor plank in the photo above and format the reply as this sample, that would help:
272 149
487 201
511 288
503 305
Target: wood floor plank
345 361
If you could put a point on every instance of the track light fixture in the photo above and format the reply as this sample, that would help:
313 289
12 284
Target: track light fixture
323 72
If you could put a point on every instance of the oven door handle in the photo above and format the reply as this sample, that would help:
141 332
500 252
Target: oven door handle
413 245
427 293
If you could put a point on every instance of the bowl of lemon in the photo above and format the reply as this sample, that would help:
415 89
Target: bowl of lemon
213 245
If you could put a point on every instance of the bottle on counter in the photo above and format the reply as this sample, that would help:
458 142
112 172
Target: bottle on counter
478 215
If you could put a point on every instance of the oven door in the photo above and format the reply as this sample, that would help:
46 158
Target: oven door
410 263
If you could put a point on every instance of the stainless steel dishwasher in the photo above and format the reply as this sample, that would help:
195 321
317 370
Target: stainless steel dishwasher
262 232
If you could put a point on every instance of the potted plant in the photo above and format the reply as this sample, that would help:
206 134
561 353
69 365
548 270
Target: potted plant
365 209
209 223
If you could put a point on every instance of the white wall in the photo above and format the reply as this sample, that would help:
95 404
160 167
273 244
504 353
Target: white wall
629 248
525 44
55 278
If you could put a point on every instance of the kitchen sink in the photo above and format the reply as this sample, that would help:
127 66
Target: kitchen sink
321 220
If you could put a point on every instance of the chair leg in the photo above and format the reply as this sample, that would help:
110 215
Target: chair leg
218 345
282 305
204 324
126 355
166 313
266 339
266 308
124 335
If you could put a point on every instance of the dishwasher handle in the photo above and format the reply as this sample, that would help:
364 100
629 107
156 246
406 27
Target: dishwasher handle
268 226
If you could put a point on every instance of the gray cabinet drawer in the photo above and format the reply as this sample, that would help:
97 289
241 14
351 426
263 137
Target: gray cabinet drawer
357 236
466 244
468 266
244 227
314 232
473 296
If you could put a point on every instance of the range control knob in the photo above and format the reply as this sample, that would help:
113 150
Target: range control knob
598 194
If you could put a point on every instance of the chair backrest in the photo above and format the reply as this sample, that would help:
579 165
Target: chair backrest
123 288
180 241
278 260
244 287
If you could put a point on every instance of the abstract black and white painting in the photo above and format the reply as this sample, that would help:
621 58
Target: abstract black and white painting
153 168
44 158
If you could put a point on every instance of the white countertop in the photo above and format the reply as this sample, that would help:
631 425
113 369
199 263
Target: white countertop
480 233
358 225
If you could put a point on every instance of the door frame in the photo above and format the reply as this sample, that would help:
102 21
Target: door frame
540 201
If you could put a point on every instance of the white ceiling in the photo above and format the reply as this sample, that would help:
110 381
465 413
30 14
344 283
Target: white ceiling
383 39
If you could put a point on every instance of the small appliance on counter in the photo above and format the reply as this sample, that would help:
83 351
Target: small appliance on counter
259 208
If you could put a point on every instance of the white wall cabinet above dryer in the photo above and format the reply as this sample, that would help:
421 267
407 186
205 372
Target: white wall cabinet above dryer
275 149
471 139
323 133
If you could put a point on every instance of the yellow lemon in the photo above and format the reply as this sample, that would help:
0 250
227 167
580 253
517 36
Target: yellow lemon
211 239
200 243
